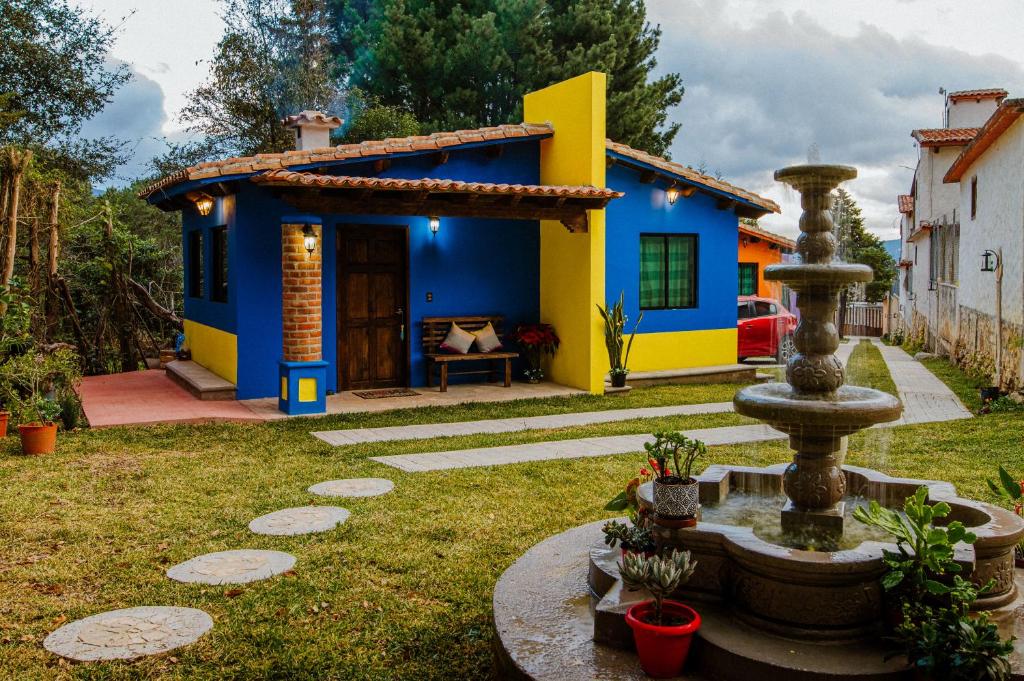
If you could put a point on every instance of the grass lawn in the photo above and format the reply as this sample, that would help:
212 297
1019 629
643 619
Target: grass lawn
403 589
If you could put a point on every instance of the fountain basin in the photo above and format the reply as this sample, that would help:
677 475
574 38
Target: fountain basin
848 410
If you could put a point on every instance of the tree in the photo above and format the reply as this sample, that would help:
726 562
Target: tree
856 244
274 59
54 75
372 120
468 63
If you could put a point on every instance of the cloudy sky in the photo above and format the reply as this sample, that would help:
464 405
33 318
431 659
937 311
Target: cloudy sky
764 81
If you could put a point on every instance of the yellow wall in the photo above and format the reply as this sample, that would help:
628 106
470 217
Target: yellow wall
572 265
683 349
214 349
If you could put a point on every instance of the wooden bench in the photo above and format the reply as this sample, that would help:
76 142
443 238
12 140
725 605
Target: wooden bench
435 329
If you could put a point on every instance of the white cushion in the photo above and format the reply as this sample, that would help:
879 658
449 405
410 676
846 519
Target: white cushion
458 340
487 340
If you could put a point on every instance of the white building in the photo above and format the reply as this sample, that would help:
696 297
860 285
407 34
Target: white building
989 176
930 221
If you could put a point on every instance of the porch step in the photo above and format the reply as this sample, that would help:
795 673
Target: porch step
200 381
723 373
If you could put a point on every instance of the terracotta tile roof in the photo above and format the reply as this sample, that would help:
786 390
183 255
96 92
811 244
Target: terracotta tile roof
984 93
308 116
290 178
944 137
762 233
1005 115
436 141
691 175
906 203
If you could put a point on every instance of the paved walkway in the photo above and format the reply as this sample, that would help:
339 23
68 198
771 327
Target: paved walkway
925 398
428 431
146 397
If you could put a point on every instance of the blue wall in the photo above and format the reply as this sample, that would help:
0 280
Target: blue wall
472 266
204 310
644 209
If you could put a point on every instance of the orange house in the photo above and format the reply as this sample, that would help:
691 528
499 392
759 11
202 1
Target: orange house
759 248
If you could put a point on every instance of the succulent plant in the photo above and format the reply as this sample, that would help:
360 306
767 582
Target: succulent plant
661 575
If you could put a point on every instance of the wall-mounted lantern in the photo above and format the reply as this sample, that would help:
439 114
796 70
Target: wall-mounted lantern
204 205
308 238
435 224
672 193
989 260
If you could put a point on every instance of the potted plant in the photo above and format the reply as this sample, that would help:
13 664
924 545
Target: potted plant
33 380
614 326
662 629
535 340
633 538
4 418
675 496
1010 489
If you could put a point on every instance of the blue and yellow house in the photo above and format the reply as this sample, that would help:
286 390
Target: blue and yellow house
309 271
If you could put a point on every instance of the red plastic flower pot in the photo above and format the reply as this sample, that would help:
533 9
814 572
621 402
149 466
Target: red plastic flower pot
38 438
662 649
4 416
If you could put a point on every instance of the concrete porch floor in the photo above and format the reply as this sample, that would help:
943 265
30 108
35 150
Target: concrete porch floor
150 397
349 403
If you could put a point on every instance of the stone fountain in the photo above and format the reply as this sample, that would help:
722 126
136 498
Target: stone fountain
814 407
786 588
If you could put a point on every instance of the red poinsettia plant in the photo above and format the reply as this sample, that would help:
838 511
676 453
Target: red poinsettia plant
535 340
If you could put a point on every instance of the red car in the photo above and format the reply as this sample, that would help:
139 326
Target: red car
765 329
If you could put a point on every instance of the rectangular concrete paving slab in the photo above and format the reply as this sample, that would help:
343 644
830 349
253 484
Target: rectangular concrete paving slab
429 431
926 399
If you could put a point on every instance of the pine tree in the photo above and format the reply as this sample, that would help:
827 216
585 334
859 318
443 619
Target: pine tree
855 244
468 63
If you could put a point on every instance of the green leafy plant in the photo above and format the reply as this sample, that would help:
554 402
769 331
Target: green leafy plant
1010 490
659 575
924 554
683 451
633 537
614 327
33 382
947 644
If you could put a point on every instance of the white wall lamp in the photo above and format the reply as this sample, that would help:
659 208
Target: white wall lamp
435 224
308 238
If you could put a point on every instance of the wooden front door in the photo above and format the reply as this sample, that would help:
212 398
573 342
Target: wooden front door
372 307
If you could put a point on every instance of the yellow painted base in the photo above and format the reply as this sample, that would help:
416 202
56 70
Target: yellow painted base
214 349
683 349
307 390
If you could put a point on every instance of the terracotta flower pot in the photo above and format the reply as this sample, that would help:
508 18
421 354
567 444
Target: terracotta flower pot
662 649
38 438
676 498
4 417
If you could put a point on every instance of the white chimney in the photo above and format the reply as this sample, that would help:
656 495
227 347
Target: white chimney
312 129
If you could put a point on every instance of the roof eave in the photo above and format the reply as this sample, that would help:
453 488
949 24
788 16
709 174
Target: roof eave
999 122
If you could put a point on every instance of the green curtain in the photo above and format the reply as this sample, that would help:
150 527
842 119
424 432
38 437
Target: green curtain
652 272
748 278
681 271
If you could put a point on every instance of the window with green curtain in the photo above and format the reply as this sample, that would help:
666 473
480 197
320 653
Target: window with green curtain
668 271
748 278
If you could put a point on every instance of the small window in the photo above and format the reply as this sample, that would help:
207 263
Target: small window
668 271
219 272
748 278
974 196
195 264
743 311
763 309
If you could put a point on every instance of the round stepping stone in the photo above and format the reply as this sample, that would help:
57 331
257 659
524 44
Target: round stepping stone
300 520
128 634
232 567
353 487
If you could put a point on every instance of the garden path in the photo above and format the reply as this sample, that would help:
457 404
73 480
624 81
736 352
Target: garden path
926 399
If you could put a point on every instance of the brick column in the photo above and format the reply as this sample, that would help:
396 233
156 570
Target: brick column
300 298
303 371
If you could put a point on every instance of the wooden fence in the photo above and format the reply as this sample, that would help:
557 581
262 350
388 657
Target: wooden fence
863 319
